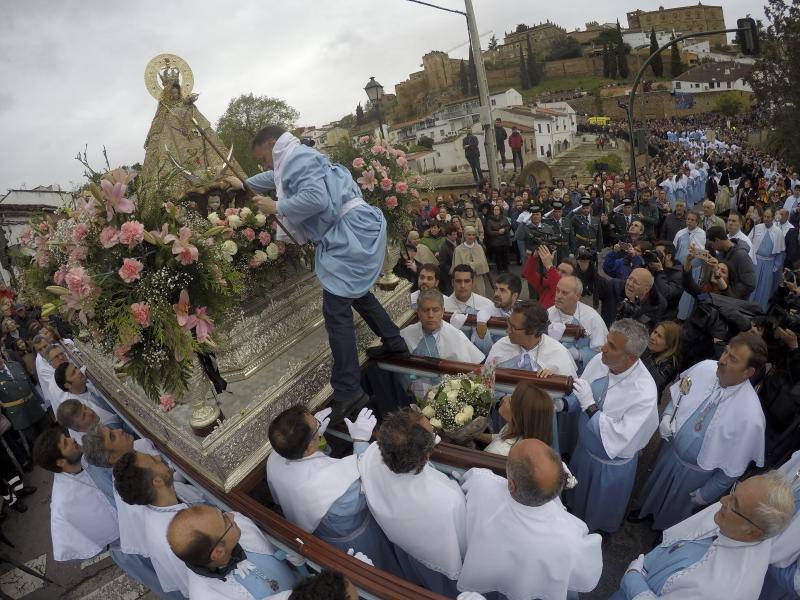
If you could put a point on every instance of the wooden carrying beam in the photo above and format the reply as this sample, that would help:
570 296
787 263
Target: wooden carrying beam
573 331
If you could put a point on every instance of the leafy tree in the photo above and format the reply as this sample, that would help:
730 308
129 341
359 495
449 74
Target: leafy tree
622 60
493 43
521 27
359 114
775 78
425 142
463 79
658 64
729 104
523 72
606 62
612 62
244 117
532 66
675 64
564 47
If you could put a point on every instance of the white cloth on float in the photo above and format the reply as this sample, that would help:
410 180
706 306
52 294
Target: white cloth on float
735 435
472 306
547 354
504 552
82 520
786 545
306 488
451 343
423 513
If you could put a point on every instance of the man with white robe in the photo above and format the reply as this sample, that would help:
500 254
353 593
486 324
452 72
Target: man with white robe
78 417
45 372
147 481
421 510
720 553
463 300
783 222
235 561
507 289
712 404
618 401
320 494
434 337
507 522
783 576
769 249
690 236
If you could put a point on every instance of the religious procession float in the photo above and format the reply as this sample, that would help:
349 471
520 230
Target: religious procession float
200 324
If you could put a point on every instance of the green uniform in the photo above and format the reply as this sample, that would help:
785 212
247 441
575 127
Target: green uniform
17 399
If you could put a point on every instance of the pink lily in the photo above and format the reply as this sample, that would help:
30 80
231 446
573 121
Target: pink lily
367 181
181 309
159 237
115 198
185 251
203 325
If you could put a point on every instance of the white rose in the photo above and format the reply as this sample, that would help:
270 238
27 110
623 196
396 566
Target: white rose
428 411
461 419
213 218
272 251
260 219
468 411
454 385
245 212
260 256
229 247
436 423
234 221
452 396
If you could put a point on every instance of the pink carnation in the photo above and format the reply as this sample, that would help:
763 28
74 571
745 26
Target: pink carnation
78 281
249 234
166 402
401 187
265 238
391 201
58 277
386 184
131 233
231 211
414 193
402 162
78 253
141 313
109 237
358 162
363 139
377 149
131 270
80 232
254 263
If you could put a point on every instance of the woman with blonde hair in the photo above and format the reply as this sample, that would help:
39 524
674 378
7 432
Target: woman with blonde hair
662 355
528 413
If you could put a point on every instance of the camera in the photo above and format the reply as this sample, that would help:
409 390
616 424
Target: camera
537 237
585 253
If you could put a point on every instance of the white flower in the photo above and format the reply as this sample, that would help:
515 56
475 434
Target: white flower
454 384
452 396
468 411
260 219
234 221
245 212
461 419
213 218
260 256
229 247
272 251
436 423
428 411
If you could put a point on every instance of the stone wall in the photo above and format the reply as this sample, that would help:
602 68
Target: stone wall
653 105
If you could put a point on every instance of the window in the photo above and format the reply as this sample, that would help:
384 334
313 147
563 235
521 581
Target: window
729 85
476 118
541 150
441 133
539 125
548 128
494 102
677 85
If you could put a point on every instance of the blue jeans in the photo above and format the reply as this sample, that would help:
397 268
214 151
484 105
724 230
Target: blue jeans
346 372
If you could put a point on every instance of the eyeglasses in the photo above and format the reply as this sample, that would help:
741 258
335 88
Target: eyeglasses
229 523
733 510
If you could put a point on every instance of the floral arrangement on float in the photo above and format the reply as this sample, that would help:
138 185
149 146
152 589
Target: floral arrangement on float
147 278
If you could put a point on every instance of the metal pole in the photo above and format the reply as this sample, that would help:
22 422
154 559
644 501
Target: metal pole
380 117
483 93
632 99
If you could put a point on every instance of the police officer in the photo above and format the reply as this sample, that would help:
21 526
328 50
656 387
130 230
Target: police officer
585 241
18 401
621 221
559 224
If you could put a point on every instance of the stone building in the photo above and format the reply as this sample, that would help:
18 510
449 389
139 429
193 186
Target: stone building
697 17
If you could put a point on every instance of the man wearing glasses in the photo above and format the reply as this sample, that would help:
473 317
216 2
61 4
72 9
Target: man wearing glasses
226 555
713 428
718 554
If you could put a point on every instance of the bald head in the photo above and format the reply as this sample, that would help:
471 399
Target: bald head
638 284
535 473
193 531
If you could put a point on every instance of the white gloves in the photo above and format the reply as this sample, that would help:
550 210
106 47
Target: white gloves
556 330
667 427
558 404
361 430
457 477
575 353
470 596
697 498
457 320
583 392
243 568
637 565
323 417
361 556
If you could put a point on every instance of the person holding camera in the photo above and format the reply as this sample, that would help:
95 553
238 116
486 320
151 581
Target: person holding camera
735 254
624 257
635 298
667 275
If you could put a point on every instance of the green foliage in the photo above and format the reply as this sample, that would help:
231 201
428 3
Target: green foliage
244 117
657 64
563 48
729 104
493 43
622 60
359 114
675 64
520 28
425 142
775 78
606 62
613 161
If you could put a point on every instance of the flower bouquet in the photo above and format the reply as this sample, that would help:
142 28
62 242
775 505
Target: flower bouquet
459 405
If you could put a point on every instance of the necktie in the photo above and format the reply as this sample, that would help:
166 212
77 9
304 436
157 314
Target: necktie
628 221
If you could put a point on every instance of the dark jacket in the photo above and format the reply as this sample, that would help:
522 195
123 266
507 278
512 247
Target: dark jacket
663 372
792 249
611 293
496 239
669 283
445 257
744 280
500 136
402 270
470 144
672 225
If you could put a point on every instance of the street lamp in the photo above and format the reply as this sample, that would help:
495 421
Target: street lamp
375 93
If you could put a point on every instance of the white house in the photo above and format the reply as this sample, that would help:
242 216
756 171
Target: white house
640 39
704 54
712 77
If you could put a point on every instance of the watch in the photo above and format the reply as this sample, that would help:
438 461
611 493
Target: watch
590 410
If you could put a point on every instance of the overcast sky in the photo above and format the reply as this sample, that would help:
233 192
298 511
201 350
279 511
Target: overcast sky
72 72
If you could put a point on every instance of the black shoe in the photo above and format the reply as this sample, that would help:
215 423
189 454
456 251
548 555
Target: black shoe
26 491
19 506
384 351
347 408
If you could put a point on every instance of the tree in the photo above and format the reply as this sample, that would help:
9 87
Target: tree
612 62
775 79
359 114
523 72
606 62
521 27
675 64
473 74
564 47
658 64
244 117
425 142
463 79
621 53
729 104
534 71
493 43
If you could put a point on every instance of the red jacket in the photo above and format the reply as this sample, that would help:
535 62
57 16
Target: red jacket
515 141
544 286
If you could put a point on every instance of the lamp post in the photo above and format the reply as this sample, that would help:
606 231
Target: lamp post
375 93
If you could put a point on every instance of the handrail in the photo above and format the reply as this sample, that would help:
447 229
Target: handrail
559 383
573 331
